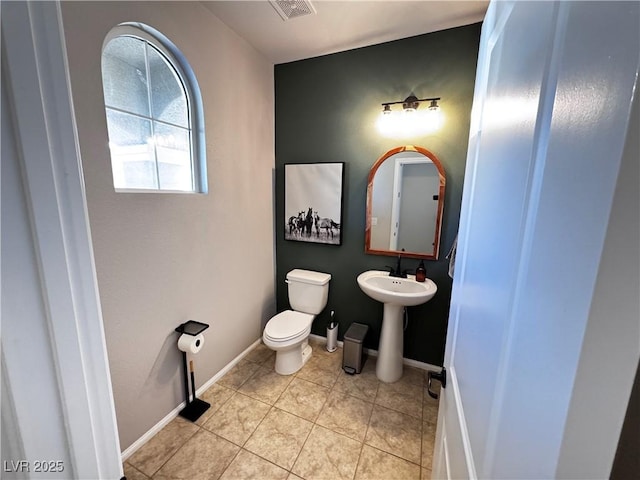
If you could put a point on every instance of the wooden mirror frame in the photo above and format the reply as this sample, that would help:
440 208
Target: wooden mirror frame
372 173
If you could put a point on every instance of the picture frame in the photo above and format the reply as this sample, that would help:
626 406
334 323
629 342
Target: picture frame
313 202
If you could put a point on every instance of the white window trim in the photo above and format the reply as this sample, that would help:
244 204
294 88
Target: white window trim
194 101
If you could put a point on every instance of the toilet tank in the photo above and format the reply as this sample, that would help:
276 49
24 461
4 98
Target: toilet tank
308 290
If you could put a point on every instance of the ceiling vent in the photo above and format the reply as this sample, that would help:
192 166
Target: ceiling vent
289 9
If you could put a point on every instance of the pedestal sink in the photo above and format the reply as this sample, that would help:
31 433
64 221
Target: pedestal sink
396 294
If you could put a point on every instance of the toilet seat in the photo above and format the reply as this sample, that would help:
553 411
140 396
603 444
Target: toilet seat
288 325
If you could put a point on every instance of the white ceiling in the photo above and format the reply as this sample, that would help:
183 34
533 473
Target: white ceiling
340 25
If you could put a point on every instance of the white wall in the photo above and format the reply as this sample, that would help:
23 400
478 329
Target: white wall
162 259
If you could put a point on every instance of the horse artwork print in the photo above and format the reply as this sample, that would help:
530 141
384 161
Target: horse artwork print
313 202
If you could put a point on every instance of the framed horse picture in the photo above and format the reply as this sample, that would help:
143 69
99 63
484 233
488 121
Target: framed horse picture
313 202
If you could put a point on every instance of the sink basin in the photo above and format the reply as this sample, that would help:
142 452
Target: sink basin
395 294
405 292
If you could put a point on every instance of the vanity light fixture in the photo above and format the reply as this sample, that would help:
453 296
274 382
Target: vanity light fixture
410 121
411 103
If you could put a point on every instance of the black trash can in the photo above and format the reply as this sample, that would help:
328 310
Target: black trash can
352 353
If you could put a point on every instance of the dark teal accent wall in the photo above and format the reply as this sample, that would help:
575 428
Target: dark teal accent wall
326 110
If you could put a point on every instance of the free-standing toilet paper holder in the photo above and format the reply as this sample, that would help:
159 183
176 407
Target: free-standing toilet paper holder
195 407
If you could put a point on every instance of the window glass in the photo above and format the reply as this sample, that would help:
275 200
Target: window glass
150 111
174 160
168 101
124 75
132 155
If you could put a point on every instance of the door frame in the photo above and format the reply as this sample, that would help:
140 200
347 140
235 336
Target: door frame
396 197
34 56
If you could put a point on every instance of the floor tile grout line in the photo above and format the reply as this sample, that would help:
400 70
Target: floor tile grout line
282 392
297 415
242 447
220 408
359 457
412 418
227 467
323 405
394 455
421 443
330 390
177 450
302 448
266 460
332 431
244 381
366 431
136 469
254 431
272 463
395 409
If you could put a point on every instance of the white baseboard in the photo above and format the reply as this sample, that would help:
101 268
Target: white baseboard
205 386
174 413
374 353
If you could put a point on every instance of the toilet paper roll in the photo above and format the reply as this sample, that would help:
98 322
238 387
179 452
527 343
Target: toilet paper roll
190 343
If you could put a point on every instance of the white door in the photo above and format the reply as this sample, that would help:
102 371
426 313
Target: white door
554 87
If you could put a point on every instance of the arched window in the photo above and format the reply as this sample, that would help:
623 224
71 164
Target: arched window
154 113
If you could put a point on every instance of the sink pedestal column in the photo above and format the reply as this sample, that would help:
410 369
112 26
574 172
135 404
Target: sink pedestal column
389 366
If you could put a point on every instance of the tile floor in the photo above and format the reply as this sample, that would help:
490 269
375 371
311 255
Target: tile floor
317 424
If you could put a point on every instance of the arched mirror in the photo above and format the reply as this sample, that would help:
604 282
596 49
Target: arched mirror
405 200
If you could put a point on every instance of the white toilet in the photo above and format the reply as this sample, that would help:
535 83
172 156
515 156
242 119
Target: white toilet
287 333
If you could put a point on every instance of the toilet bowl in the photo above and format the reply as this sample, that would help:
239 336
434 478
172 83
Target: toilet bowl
287 333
